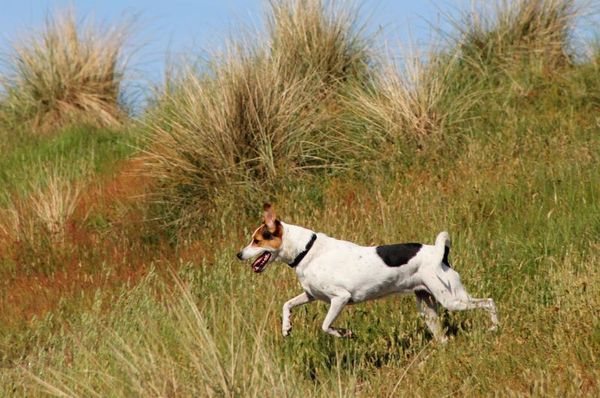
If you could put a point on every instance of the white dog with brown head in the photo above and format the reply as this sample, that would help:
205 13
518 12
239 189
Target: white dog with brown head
341 272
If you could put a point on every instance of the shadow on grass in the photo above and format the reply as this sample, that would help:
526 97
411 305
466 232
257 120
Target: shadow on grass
319 354
315 354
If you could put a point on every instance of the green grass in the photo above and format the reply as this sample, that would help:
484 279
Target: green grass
79 150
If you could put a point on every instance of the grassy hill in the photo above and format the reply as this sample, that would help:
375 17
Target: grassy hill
118 274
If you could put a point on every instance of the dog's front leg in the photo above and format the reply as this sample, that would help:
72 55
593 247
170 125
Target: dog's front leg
286 325
337 303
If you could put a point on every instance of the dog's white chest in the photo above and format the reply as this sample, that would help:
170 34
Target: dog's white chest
312 285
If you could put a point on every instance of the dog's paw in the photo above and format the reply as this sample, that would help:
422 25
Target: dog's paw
493 328
346 333
286 331
442 340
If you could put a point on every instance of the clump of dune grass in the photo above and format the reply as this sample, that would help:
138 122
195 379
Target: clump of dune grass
35 229
54 204
66 72
239 127
428 93
504 31
42 217
412 101
319 37
257 114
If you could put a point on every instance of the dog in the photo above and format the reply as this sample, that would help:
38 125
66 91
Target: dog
341 272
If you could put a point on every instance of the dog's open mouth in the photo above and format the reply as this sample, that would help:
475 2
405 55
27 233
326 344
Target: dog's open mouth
261 261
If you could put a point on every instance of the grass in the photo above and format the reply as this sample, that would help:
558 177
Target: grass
321 39
506 158
224 313
183 355
498 33
29 158
415 103
67 72
50 208
255 115
42 180
524 231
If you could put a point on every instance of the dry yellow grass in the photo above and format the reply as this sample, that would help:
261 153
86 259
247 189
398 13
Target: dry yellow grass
321 39
410 102
259 113
66 72
506 31
44 214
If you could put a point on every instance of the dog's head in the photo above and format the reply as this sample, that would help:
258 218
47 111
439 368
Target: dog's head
266 241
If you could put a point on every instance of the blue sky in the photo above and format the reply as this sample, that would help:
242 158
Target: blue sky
187 26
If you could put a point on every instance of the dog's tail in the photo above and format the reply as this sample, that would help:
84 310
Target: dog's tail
442 247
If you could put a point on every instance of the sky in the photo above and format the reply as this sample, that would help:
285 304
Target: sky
186 26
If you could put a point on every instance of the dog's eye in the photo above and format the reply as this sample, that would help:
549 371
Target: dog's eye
255 241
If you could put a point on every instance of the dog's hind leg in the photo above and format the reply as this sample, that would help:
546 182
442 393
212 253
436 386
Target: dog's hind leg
335 307
450 293
428 308
286 324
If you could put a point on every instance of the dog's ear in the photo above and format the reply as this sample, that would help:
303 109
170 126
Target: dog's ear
269 215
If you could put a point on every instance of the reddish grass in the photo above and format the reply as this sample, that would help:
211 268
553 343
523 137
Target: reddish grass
78 266
75 270
27 297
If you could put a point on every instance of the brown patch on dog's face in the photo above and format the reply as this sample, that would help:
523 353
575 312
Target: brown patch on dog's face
266 241
268 237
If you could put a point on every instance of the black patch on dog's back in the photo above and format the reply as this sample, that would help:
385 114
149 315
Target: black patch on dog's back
398 254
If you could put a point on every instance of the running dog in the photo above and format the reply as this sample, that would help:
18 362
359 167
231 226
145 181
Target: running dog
341 272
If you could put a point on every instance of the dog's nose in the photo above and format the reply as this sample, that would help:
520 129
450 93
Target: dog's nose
239 255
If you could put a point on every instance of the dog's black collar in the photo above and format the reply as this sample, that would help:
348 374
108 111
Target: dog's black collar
303 253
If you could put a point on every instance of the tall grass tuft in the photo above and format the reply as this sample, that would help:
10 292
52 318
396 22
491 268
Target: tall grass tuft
324 38
66 72
429 93
44 215
505 31
412 102
54 205
258 114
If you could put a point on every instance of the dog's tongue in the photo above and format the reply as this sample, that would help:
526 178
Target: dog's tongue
259 264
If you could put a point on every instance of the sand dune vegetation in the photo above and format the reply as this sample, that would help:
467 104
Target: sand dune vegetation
68 71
